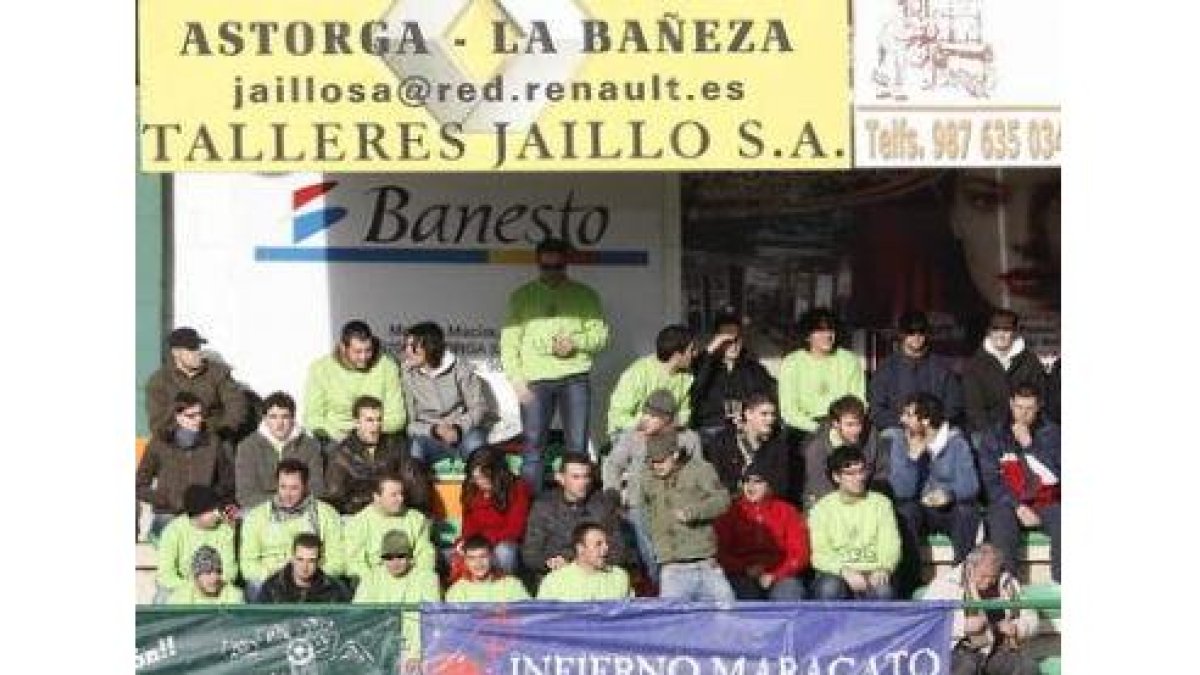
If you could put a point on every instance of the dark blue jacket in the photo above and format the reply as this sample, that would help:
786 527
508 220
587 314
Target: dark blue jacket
953 469
899 375
1046 447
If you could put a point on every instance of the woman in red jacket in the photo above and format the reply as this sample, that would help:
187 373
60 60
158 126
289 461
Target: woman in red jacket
762 544
495 505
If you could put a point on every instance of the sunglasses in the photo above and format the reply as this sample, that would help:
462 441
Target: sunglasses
394 556
191 415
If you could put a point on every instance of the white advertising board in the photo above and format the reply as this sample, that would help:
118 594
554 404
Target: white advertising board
269 267
956 83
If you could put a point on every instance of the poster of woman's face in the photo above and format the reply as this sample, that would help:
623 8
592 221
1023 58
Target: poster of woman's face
873 244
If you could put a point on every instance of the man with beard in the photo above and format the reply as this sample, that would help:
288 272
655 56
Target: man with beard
189 371
356 368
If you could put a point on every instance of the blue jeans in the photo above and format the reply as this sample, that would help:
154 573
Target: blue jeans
506 556
645 546
158 523
695 581
833 587
571 396
430 450
787 589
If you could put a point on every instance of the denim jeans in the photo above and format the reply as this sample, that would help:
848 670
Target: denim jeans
571 396
1004 530
787 589
158 523
695 581
505 555
832 587
636 518
430 450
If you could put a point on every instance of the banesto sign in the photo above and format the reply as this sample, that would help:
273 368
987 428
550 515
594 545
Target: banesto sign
493 85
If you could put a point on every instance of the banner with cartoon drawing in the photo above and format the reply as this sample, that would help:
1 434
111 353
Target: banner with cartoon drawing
956 83
267 639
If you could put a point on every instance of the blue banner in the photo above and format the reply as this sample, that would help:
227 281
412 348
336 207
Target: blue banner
672 638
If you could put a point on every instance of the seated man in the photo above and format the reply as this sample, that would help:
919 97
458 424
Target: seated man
211 382
357 367
448 413
301 579
855 543
182 454
935 483
1000 364
847 425
762 543
201 525
1021 463
364 455
589 576
555 514
909 369
668 368
681 497
269 530
817 374
622 469
483 581
986 641
387 512
277 438
207 585
398 580
725 376
759 440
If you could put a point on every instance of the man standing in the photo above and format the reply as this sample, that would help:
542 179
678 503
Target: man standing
270 529
668 368
448 413
1021 463
201 525
302 579
909 369
762 543
621 472
847 425
935 482
387 512
725 375
1001 363
986 641
208 585
356 368
589 576
817 374
278 438
553 329
681 497
365 454
482 580
548 545
182 454
211 382
855 543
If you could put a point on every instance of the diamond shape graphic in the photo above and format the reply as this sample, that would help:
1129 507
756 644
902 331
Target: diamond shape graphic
563 20
474 27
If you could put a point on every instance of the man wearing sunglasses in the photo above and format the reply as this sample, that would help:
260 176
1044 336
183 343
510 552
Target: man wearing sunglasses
398 580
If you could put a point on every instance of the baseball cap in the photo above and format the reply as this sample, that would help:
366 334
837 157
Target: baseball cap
186 338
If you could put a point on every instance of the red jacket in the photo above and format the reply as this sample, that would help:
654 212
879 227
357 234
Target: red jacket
771 533
480 517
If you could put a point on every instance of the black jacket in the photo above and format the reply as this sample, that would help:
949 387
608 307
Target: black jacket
772 460
552 519
350 474
987 385
281 588
713 384
899 375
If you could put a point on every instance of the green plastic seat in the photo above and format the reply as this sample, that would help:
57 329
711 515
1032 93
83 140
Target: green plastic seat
1044 592
1051 665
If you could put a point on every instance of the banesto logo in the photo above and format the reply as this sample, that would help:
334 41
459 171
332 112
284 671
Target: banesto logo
396 230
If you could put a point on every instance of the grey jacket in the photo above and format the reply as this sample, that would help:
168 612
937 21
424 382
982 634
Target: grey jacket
450 393
694 489
254 466
621 472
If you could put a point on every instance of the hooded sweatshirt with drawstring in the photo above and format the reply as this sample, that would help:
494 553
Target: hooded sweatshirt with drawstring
989 378
259 453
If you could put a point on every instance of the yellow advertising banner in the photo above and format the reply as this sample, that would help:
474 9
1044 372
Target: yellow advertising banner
493 85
